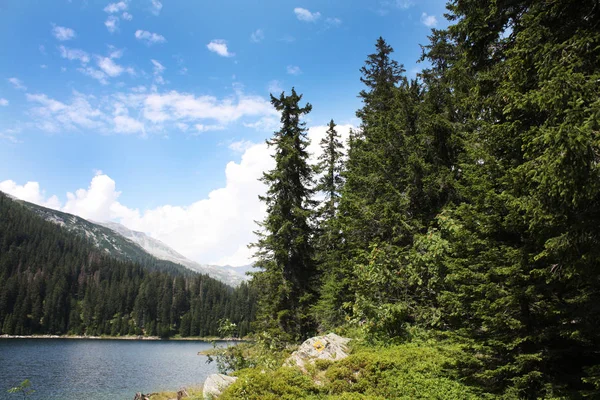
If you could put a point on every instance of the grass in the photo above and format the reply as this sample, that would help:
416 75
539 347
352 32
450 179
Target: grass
416 370
195 394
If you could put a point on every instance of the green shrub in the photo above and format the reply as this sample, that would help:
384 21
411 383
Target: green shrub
285 383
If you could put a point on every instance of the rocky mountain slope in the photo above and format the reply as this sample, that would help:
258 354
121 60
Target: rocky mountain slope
123 243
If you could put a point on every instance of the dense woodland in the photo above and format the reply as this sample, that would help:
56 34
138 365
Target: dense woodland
467 203
54 282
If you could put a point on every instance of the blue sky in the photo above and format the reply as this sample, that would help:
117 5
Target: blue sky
156 102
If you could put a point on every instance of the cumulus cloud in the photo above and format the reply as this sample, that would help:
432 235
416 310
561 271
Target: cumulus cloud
126 124
155 7
257 36
74 54
116 7
158 70
52 115
110 67
333 22
112 23
293 70
240 146
154 110
429 20
94 74
3 102
274 87
149 38
215 229
10 135
17 83
182 107
29 192
305 15
219 46
62 33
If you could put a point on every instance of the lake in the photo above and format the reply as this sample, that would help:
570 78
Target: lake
76 369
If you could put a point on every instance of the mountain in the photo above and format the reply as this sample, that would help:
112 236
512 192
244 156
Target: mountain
125 244
227 274
55 280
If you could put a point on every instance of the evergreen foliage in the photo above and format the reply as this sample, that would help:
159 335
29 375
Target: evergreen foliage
467 204
285 249
54 282
471 197
328 311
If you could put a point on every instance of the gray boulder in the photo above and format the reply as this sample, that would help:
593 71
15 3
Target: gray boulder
329 347
215 384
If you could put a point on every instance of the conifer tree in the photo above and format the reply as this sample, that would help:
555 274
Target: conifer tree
285 247
522 248
329 244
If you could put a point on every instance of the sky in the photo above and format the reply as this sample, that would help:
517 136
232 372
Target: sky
154 113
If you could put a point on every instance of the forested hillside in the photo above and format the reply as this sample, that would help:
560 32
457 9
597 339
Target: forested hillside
53 281
467 205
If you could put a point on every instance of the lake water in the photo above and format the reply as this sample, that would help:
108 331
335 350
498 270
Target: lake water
64 369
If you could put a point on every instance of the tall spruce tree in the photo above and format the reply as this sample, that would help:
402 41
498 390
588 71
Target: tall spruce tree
522 248
380 195
329 310
285 252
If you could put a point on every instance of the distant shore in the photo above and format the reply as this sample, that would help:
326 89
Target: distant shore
200 339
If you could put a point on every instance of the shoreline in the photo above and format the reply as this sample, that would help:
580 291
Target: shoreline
141 338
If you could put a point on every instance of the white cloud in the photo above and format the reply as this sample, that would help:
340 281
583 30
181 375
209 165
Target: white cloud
265 124
333 21
43 66
112 23
158 67
386 5
126 124
3 102
293 70
182 126
96 202
155 111
29 192
42 49
95 74
206 128
215 229
17 83
74 54
155 7
52 115
257 36
116 7
109 67
149 38
219 46
274 87
404 4
240 146
176 106
304 15
10 135
62 33
158 70
429 20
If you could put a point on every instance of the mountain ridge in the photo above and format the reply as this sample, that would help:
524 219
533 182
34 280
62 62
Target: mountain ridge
123 243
